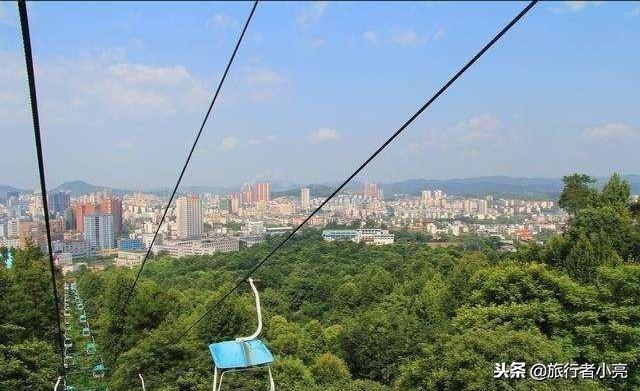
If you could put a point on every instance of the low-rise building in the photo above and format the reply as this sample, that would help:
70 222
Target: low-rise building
374 236
77 248
207 246
129 259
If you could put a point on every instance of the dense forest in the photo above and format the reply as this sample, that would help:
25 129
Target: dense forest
350 317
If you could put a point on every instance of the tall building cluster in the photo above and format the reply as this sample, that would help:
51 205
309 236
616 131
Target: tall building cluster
100 222
256 192
106 206
433 198
373 191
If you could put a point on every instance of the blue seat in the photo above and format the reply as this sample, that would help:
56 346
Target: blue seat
244 353
240 354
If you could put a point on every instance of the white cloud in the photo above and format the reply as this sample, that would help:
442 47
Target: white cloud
259 141
262 84
370 36
221 22
125 145
407 38
475 130
325 134
228 143
143 74
402 37
258 77
311 13
574 6
634 12
481 127
610 131
75 89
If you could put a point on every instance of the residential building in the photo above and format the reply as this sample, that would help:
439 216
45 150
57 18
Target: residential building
112 206
371 190
305 198
98 231
255 193
189 213
77 248
60 202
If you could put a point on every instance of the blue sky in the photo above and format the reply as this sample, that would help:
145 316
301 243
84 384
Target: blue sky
316 86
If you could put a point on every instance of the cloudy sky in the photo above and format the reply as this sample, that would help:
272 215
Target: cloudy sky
123 88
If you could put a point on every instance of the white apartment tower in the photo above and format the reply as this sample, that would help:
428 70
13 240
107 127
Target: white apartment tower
189 213
305 197
98 231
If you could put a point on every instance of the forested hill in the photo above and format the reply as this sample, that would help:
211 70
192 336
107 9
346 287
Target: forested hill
349 317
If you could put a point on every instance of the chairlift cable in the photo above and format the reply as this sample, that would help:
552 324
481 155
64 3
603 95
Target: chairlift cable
28 55
193 147
406 124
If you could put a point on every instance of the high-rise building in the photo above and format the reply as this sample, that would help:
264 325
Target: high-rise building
98 231
106 206
257 192
305 197
224 204
482 207
12 228
189 213
112 206
235 204
60 201
426 197
69 220
13 198
371 190
262 192
79 212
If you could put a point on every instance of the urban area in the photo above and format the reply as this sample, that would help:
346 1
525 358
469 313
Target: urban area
100 229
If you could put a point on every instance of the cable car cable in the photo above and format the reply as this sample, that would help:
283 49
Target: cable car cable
28 56
193 147
455 77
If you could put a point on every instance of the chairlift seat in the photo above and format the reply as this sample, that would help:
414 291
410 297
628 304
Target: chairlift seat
244 353
99 370
86 332
240 354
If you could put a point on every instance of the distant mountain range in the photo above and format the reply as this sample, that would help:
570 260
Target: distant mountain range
497 185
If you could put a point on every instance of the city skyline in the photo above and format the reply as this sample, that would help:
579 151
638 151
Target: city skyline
541 104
